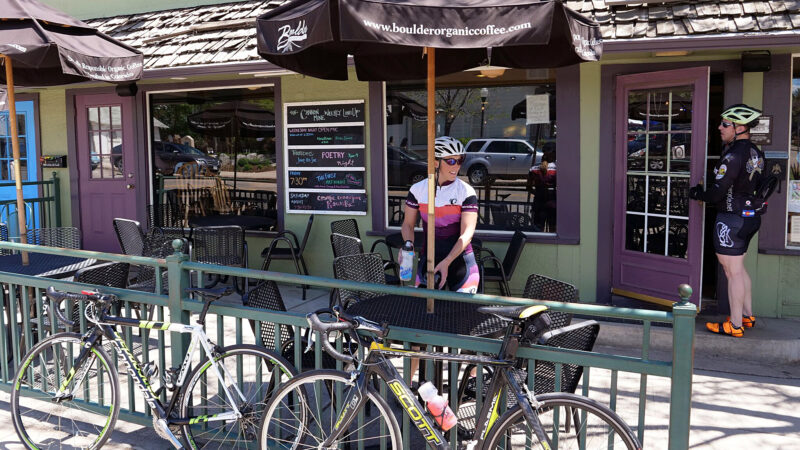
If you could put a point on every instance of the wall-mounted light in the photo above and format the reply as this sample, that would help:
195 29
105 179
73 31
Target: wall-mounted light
667 53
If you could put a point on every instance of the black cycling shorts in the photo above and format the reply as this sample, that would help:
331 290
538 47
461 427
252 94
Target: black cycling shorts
733 233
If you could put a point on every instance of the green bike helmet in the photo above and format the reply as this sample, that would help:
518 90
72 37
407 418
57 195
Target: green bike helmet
741 114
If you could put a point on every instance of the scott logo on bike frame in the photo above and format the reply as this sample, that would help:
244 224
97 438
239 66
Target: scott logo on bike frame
416 415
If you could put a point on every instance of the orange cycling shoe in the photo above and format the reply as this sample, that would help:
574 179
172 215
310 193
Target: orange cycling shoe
747 321
725 328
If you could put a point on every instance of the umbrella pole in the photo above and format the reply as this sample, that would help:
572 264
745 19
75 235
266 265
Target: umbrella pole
12 124
431 87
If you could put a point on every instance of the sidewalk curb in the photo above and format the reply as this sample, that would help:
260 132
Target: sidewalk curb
766 349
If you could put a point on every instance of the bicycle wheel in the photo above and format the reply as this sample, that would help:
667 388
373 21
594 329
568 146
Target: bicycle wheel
86 417
257 372
302 413
569 420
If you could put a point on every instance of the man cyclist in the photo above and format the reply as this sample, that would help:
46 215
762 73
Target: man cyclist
737 178
456 217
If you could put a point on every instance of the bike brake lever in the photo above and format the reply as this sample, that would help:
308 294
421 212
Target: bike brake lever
309 344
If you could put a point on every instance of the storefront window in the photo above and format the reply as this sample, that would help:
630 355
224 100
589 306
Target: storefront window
508 126
6 150
793 226
213 154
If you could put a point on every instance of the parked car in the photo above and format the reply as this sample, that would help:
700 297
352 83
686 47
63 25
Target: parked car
489 159
404 168
169 156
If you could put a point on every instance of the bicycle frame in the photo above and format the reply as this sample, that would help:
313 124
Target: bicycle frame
377 364
105 329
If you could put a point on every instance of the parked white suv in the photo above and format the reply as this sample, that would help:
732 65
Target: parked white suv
488 159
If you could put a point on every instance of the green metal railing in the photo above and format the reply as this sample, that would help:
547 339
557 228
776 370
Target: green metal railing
47 204
29 325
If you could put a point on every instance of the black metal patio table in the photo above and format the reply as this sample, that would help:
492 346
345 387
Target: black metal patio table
395 240
246 222
411 312
44 265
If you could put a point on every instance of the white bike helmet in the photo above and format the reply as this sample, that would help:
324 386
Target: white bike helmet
446 147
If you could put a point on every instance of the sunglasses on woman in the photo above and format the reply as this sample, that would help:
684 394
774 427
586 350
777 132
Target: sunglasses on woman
453 161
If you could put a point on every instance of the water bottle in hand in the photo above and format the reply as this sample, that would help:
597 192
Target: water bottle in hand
437 406
407 261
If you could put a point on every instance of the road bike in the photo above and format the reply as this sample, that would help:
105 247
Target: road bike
336 409
66 392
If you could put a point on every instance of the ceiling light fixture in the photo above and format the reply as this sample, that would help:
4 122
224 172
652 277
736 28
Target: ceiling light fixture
490 71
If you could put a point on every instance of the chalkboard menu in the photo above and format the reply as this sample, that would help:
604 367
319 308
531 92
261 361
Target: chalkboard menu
325 154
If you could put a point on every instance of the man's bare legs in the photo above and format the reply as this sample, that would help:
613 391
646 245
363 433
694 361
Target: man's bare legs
740 296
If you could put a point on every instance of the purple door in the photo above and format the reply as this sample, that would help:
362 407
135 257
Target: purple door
660 152
106 165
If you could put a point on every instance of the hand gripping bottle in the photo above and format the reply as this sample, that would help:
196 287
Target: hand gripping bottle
407 261
437 406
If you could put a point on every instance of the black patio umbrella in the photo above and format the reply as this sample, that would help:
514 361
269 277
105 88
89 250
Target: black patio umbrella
399 106
406 40
234 119
41 46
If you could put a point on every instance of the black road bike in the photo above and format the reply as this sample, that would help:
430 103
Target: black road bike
334 409
66 392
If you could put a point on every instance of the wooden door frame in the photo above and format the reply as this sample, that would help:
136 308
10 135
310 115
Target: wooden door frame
139 161
654 80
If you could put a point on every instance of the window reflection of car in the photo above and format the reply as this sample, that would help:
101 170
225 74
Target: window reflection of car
169 156
404 168
487 159
638 149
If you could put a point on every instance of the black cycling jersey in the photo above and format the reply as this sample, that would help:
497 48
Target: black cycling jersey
737 176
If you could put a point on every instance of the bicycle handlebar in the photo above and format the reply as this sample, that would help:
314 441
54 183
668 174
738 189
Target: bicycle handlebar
57 297
346 323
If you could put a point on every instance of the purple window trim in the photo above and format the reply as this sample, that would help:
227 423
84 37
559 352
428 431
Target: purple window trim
140 132
605 222
567 144
777 99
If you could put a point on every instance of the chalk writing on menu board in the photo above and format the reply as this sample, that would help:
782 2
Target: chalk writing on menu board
349 157
315 201
326 135
326 154
330 113
320 179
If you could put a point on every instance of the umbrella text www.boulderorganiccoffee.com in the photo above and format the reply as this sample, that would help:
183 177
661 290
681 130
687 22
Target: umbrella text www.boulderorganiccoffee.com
448 32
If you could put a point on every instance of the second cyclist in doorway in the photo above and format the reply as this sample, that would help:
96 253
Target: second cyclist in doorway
456 217
736 194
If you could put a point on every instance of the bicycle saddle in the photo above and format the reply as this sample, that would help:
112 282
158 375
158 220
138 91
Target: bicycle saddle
514 312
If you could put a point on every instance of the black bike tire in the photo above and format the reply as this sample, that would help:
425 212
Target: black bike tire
560 399
233 350
113 377
393 427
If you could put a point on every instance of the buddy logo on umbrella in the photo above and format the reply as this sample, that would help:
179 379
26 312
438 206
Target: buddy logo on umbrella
291 38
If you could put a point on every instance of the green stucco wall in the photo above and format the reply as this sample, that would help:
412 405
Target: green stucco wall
87 9
53 133
318 255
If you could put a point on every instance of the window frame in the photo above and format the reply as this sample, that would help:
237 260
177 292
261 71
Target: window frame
567 81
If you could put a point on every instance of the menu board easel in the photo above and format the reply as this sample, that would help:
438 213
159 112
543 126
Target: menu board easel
325 157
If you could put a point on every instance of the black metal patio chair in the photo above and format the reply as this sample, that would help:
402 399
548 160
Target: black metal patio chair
349 227
502 271
292 252
364 267
266 295
224 246
64 237
540 287
4 237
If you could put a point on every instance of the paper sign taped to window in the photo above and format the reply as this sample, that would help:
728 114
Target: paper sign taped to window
537 109
794 230
3 100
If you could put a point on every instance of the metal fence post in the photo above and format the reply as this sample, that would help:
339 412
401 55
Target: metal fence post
178 282
56 200
680 402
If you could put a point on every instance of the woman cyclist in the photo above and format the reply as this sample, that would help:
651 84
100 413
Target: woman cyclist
456 217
